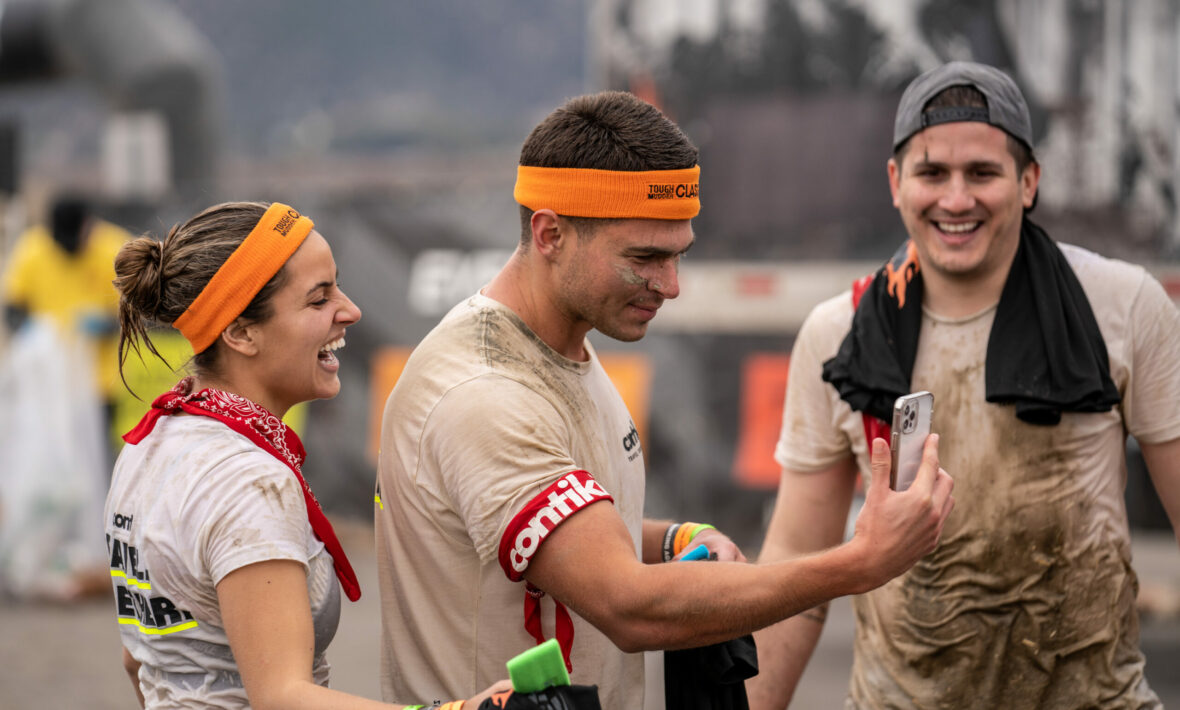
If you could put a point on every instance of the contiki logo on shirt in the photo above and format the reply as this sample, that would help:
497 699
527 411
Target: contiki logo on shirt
541 516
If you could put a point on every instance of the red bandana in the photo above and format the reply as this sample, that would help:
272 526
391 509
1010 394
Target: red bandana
270 434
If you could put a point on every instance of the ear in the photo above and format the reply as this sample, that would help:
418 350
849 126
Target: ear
894 178
240 337
1029 179
549 233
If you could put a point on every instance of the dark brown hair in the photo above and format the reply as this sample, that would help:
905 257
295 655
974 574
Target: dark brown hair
158 280
609 130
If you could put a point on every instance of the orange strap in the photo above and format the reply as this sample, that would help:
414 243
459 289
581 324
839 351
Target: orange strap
610 194
258 258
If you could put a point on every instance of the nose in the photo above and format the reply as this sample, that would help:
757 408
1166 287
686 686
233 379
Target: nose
667 281
348 313
957 197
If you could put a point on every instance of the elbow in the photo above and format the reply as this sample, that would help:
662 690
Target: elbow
632 623
631 640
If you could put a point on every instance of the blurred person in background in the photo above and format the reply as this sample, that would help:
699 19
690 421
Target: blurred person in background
1042 357
223 565
59 367
63 272
510 486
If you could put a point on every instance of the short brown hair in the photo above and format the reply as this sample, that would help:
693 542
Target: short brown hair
158 280
609 130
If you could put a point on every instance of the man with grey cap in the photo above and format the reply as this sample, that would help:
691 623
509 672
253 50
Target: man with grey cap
1042 357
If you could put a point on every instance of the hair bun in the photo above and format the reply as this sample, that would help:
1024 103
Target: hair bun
139 269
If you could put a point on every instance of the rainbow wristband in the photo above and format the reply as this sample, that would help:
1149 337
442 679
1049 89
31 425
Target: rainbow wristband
685 534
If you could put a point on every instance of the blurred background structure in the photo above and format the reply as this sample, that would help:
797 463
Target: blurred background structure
396 126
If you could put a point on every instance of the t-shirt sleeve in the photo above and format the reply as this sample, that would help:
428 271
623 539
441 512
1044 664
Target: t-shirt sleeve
811 438
248 509
498 445
1151 401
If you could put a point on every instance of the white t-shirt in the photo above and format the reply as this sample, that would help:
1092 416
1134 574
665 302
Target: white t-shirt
484 418
189 504
1028 601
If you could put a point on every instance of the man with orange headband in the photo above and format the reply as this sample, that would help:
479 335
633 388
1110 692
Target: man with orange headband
510 485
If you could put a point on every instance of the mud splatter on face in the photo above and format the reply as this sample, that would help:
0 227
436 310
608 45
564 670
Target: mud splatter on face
628 275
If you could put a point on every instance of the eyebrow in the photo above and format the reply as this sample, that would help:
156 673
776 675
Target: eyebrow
925 160
656 251
323 284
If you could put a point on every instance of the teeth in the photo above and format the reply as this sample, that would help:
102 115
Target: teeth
957 228
334 345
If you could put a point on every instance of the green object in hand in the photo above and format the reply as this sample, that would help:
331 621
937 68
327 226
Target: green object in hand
538 668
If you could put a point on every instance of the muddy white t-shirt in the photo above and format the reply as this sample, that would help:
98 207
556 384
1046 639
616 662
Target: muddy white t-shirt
189 504
489 440
1028 600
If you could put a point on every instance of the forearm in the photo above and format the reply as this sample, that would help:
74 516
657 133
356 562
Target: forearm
1163 465
784 647
132 667
306 695
653 539
668 606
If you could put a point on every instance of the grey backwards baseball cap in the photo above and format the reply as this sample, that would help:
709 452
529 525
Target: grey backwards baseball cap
1006 108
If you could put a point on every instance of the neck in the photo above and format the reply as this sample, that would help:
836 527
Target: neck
524 287
953 297
241 387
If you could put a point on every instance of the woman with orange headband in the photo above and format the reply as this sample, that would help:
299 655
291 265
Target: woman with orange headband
224 566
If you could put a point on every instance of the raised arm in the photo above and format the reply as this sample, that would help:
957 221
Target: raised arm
589 564
810 515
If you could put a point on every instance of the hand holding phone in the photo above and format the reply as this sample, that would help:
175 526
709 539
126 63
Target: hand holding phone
911 425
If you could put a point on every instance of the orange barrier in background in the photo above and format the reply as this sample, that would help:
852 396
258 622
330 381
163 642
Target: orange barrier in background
764 386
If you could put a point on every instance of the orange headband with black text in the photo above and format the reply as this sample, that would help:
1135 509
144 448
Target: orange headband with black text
258 258
583 192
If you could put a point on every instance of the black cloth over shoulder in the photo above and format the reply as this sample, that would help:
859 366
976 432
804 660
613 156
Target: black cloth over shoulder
1045 353
711 677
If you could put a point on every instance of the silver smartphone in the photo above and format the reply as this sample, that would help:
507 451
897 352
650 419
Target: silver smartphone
911 425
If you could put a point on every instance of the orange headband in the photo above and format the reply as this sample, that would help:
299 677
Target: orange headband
582 192
259 257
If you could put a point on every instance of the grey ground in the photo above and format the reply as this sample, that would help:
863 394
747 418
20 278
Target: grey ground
62 657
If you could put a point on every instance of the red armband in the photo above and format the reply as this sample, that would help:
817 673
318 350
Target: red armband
541 516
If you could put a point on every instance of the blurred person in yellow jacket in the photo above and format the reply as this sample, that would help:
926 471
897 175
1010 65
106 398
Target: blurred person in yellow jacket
64 271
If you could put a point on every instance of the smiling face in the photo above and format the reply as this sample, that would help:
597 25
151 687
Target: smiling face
616 279
295 360
961 199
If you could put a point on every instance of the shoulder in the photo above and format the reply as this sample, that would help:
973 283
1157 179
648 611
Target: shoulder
1117 290
34 243
106 240
828 323
205 446
1099 272
510 397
